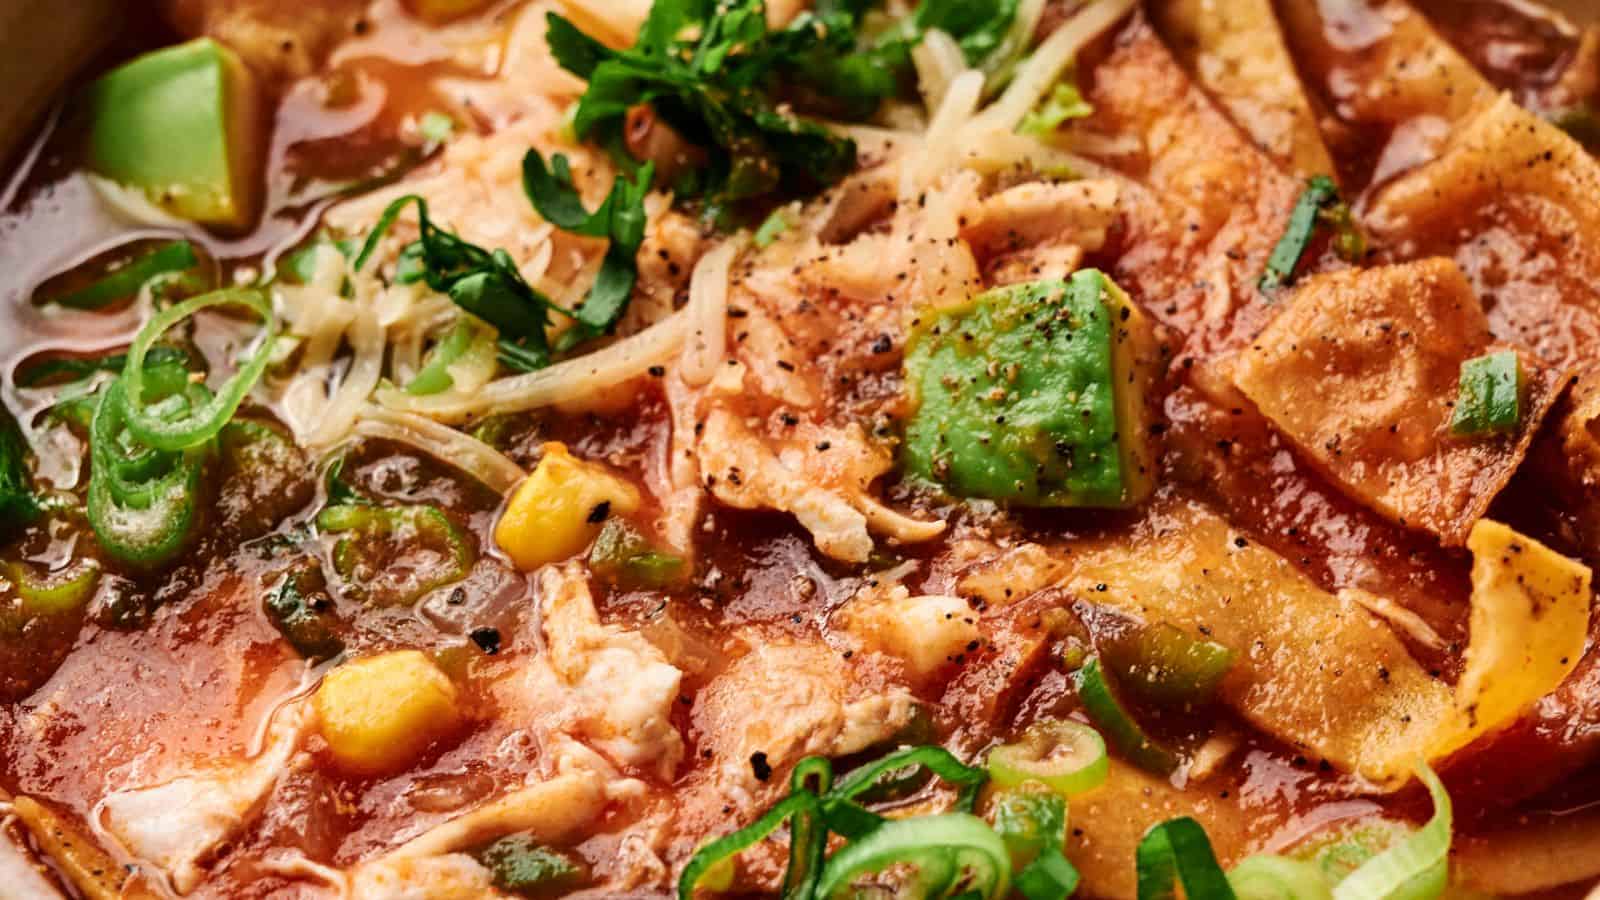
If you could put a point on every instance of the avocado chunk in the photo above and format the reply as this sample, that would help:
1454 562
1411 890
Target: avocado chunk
1034 395
182 125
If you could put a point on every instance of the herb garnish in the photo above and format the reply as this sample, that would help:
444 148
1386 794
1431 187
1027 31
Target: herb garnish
488 284
715 73
1319 203
621 218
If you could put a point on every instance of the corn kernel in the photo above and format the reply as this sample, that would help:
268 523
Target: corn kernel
556 512
379 713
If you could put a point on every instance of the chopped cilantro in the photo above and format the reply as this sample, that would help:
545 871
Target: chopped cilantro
716 74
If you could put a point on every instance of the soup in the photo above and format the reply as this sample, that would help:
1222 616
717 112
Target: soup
1020 448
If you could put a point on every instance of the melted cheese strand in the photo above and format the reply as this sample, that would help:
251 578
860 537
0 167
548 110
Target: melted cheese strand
708 312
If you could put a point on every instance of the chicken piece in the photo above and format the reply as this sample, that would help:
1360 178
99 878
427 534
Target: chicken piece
810 703
452 876
177 823
1511 197
1076 212
1369 399
928 634
1236 50
1010 576
821 476
278 40
602 684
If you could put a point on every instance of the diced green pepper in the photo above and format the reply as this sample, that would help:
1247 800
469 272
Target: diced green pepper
526 868
436 127
1030 821
1165 665
1063 104
392 556
771 229
458 345
181 124
1034 395
624 556
301 264
1490 398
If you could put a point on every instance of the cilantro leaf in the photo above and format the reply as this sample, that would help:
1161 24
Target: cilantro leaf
486 284
979 26
620 218
715 73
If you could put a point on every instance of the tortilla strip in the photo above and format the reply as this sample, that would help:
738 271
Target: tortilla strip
1235 49
1322 673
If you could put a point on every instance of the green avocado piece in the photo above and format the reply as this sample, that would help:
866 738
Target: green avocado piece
183 125
1033 395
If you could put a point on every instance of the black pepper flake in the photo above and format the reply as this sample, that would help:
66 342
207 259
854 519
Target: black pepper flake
487 639
759 766
600 513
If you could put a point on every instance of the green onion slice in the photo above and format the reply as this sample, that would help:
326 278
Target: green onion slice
1178 851
1320 192
1278 878
946 854
1417 868
1118 725
808 831
718 851
177 256
141 503
1490 395
434 376
937 759
1068 757
204 421
54 594
1165 665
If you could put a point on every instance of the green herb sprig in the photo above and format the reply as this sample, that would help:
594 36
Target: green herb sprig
715 73
487 283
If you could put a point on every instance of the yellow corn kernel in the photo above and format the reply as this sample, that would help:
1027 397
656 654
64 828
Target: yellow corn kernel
558 510
379 713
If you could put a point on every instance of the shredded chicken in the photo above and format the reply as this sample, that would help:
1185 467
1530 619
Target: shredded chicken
808 705
601 684
177 823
